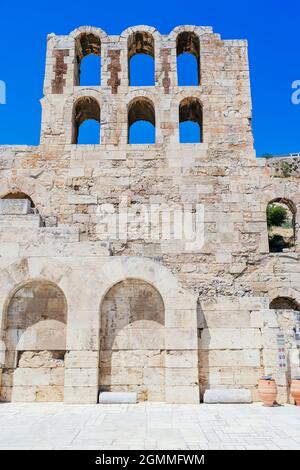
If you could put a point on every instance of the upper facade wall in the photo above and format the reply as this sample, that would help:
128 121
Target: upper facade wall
223 90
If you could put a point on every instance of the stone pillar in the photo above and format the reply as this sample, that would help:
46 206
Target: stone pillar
181 341
82 351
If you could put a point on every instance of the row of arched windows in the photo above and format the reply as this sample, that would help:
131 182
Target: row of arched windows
141 59
141 121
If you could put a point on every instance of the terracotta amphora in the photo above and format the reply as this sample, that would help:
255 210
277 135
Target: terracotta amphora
267 390
295 390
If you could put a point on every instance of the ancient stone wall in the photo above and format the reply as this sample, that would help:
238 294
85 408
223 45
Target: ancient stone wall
216 327
132 343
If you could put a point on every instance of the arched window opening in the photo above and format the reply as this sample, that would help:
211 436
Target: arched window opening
17 203
86 115
132 346
35 339
141 66
281 225
284 303
19 195
190 121
88 56
141 122
188 59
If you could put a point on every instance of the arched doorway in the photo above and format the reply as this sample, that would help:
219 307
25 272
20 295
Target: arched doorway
35 339
132 343
284 303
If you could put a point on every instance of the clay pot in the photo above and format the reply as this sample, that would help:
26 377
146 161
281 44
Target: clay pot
295 390
267 390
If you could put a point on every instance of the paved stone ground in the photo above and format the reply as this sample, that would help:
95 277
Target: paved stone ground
148 426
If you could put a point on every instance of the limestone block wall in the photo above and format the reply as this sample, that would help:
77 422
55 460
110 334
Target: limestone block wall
236 348
132 342
35 340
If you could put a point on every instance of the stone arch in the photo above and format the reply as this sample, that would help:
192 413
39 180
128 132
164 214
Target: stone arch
284 303
88 30
140 39
284 293
141 43
17 203
68 110
88 41
84 108
187 42
20 272
199 30
132 343
34 334
140 109
180 330
286 236
18 195
20 186
190 109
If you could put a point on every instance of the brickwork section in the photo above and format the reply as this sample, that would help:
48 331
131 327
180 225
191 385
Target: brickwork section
114 67
165 53
60 70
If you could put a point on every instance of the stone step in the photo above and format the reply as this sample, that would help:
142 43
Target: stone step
117 397
229 395
28 221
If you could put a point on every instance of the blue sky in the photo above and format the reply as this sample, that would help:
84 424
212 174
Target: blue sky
271 27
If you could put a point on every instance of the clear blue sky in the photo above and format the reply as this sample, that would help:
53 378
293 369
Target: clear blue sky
271 27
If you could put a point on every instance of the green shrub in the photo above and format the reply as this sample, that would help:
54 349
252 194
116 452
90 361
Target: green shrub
276 215
267 155
285 169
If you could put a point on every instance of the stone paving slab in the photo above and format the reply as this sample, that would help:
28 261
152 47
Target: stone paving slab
148 426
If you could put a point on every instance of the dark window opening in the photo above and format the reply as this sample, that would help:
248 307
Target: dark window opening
281 225
188 59
141 67
190 121
88 53
86 121
141 122
284 303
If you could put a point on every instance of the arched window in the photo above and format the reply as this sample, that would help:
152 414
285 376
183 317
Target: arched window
132 314
86 121
141 121
17 203
284 303
141 67
88 56
35 337
19 195
281 225
188 59
190 121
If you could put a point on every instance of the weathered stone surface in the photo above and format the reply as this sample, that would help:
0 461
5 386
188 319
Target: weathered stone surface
14 206
240 395
88 303
117 397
